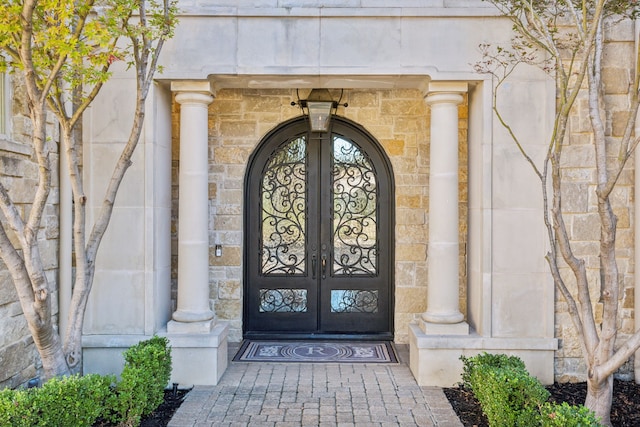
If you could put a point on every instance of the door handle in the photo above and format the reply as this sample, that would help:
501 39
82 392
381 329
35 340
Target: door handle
324 265
313 267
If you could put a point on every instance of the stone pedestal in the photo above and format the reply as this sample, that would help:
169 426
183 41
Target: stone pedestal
199 358
435 359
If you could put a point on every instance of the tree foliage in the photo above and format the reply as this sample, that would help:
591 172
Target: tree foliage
63 50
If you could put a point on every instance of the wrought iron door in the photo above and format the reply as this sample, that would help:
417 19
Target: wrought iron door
318 222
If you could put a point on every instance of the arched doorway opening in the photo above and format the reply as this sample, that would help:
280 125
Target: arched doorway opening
319 220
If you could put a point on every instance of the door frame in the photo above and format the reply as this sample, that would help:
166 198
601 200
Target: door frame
291 126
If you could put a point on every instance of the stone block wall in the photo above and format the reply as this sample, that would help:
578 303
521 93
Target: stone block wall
580 203
19 360
398 119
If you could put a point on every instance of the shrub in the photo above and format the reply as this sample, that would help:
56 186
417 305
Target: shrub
470 364
68 401
565 415
144 377
508 395
16 408
78 401
72 401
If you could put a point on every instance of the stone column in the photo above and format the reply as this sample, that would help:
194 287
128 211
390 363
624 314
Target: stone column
193 313
443 315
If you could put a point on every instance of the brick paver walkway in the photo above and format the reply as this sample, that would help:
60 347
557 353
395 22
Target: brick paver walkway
318 394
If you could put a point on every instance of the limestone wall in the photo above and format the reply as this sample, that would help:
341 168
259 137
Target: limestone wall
580 203
19 360
275 45
398 119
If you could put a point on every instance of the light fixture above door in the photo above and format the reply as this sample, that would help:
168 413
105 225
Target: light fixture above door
319 107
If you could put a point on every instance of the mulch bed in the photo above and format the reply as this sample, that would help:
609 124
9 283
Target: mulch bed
625 411
162 415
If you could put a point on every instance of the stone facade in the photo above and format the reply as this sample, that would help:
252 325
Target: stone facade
580 203
19 359
250 61
398 119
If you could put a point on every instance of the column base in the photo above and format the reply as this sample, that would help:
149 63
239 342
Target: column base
429 328
174 327
192 316
199 358
435 359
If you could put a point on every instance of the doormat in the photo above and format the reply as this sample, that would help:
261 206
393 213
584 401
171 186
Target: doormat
315 352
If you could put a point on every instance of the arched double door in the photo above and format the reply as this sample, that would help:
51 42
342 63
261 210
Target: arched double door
319 220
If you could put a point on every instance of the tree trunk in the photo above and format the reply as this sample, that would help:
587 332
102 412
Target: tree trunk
599 396
50 349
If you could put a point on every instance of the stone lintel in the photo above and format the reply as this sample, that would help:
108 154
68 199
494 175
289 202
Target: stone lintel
15 147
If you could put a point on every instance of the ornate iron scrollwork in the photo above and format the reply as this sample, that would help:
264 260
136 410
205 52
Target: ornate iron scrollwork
283 300
355 210
283 205
354 301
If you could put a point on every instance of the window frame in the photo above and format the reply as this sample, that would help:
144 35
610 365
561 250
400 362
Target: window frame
5 106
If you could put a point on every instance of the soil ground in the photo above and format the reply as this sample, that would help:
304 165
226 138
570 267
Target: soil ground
625 411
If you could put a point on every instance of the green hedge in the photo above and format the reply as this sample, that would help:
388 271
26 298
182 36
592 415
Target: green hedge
141 388
78 401
69 401
565 415
510 397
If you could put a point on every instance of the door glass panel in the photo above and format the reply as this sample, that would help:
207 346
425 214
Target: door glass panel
354 301
283 300
355 208
283 210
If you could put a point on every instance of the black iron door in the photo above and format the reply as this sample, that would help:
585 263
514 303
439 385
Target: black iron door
319 217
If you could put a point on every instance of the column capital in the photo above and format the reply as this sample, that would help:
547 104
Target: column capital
445 92
193 98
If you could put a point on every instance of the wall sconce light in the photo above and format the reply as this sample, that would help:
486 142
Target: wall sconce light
218 250
319 107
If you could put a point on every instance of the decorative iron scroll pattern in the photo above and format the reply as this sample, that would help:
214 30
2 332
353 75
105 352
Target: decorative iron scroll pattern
283 209
354 301
355 209
283 300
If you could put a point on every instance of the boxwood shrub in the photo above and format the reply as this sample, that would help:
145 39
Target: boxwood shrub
68 401
145 375
509 396
565 415
80 401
